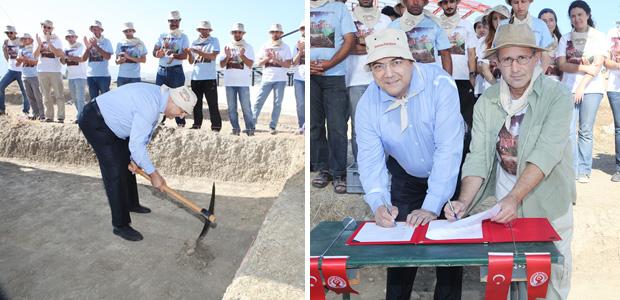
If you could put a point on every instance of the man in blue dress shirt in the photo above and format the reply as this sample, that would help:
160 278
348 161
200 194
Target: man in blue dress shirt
408 124
118 125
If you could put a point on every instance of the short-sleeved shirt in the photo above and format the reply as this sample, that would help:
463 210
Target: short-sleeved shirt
236 73
594 46
97 65
204 69
174 43
28 70
328 25
274 72
300 69
130 69
356 74
426 39
461 39
613 39
75 70
12 47
48 62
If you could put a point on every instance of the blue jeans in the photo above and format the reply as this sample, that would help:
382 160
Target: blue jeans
243 93
300 99
329 106
98 85
172 77
584 114
355 93
77 87
125 80
278 96
614 102
9 77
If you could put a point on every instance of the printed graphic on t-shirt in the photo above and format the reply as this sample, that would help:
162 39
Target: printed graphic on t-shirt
508 143
553 69
94 55
457 40
201 47
422 44
131 51
615 49
360 36
12 51
574 55
235 61
275 53
46 52
27 54
71 52
322 32
172 44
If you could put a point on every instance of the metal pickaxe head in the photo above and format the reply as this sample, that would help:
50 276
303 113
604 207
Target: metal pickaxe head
209 216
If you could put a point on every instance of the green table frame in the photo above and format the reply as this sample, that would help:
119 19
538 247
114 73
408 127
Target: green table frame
417 255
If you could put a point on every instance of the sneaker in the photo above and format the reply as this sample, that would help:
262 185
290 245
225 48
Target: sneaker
273 131
616 177
583 178
128 233
235 132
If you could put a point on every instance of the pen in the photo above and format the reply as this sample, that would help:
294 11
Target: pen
452 209
389 209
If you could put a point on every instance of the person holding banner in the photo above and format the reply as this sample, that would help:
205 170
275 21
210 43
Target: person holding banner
520 151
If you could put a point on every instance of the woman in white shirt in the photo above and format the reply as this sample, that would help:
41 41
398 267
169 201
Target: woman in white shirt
613 88
486 68
581 54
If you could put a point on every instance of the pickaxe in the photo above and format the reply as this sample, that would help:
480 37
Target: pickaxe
207 214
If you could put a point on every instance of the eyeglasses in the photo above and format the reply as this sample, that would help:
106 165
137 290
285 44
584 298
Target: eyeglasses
47 27
10 32
382 67
522 60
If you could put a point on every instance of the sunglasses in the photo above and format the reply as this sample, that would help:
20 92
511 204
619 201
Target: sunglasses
47 27
129 30
10 32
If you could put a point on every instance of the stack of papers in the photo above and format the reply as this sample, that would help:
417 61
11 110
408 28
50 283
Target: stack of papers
372 232
467 228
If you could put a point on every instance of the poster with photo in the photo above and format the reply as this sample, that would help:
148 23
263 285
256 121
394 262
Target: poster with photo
507 144
276 54
133 51
12 51
615 49
322 32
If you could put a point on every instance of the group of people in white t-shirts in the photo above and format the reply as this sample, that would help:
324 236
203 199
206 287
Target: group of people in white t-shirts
35 63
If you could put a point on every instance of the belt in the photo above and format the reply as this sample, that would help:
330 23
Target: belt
172 67
96 107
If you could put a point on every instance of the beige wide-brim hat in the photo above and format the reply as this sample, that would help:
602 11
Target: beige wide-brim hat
47 23
513 35
237 27
70 32
500 9
389 42
96 24
10 28
182 96
26 36
204 25
174 15
276 27
128 26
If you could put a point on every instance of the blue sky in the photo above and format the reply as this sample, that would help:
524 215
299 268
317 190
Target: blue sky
150 18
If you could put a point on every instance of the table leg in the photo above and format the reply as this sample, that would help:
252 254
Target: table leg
346 296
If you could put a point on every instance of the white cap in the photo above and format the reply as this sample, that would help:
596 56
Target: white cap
182 96
70 32
26 36
96 24
275 27
47 23
500 9
10 28
389 42
238 27
128 26
174 15
204 25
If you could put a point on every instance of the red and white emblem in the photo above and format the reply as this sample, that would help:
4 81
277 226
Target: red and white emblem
336 282
538 278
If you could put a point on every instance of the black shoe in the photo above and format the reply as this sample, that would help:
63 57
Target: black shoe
195 126
140 209
48 121
250 132
235 132
2 113
60 121
128 233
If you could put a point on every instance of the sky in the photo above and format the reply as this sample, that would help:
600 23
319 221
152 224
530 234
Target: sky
150 19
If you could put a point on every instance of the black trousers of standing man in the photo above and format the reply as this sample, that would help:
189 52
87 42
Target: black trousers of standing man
208 88
113 156
408 194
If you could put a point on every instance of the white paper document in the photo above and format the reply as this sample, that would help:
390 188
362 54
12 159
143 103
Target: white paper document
372 232
466 228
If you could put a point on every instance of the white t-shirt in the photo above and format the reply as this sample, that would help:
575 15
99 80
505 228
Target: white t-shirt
613 38
300 69
356 74
506 153
48 62
461 38
12 48
273 72
480 85
76 70
595 45
236 73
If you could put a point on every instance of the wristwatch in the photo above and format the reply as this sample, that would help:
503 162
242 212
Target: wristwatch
472 74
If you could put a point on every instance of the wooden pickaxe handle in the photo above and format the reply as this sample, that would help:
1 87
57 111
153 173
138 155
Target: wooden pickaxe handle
174 194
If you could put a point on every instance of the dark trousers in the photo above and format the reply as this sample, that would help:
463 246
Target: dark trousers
408 193
328 105
172 77
467 99
98 85
113 156
208 89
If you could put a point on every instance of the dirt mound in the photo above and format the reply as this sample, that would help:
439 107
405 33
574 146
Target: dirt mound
173 151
